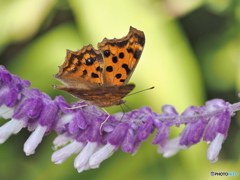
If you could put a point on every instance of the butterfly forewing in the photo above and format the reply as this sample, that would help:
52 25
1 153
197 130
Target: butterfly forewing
82 68
121 56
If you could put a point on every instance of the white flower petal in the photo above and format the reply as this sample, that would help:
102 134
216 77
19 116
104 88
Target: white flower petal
86 167
171 147
11 127
81 161
65 118
6 112
35 138
100 155
62 154
61 140
215 147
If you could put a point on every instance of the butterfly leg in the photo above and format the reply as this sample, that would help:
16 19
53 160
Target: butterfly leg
76 107
104 120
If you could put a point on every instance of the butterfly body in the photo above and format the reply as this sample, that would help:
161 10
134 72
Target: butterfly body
101 76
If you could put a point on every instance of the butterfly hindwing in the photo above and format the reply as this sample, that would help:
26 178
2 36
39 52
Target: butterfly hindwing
100 96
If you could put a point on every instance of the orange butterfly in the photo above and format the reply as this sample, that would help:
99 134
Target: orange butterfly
101 76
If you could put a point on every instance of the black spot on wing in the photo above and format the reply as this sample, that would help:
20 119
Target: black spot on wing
90 61
125 66
84 73
78 63
119 44
114 59
141 40
93 75
121 55
130 50
99 69
137 54
118 76
106 53
109 69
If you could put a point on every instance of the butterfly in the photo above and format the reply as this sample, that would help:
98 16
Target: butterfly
100 76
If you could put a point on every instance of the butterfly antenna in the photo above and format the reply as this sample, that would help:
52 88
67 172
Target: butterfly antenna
141 91
132 110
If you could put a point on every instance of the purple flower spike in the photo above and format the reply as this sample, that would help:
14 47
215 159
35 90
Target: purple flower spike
162 134
93 140
215 104
169 110
171 116
145 129
28 108
217 129
79 122
6 77
91 156
224 123
217 124
193 131
35 110
128 142
11 97
41 126
78 125
117 136
48 114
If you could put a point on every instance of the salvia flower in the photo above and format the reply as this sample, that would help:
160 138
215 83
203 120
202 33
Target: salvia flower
81 130
27 108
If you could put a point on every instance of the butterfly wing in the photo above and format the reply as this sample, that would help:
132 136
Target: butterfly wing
101 96
121 57
82 68
101 76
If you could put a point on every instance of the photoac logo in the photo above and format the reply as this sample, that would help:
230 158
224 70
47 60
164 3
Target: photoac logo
223 173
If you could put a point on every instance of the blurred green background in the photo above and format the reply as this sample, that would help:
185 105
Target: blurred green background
192 54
